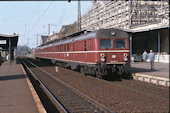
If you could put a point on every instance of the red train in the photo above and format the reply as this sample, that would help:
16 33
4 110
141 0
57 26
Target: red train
97 52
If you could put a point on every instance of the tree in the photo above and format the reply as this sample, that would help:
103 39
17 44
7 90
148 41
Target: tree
68 30
23 51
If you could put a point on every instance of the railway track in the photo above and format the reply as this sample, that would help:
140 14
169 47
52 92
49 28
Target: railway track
141 88
65 97
120 96
138 87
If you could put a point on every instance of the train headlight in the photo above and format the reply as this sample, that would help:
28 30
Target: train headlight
102 55
125 59
125 56
103 59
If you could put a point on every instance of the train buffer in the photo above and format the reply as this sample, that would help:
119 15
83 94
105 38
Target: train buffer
17 94
159 76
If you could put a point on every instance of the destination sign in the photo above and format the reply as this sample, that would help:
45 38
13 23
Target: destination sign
2 41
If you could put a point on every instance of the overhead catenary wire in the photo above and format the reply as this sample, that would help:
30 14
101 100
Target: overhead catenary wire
32 17
33 26
24 15
62 13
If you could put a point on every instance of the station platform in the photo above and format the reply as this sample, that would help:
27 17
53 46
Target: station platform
142 71
16 92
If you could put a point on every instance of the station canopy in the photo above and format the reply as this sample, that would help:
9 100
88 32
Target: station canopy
4 41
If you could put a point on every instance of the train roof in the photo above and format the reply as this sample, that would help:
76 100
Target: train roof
84 35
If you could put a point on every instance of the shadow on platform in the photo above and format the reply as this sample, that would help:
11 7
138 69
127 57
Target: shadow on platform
134 69
1 61
118 77
11 77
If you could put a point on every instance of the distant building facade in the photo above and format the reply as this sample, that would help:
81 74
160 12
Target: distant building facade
53 37
148 21
43 39
125 14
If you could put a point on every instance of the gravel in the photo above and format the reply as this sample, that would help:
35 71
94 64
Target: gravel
119 96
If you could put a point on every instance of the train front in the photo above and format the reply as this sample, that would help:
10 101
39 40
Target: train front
114 55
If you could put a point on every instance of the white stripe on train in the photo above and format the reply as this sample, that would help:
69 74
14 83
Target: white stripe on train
85 51
80 61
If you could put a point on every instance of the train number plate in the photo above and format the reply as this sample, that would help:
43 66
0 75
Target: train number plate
113 56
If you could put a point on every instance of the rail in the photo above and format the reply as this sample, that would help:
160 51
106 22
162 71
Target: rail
46 89
93 102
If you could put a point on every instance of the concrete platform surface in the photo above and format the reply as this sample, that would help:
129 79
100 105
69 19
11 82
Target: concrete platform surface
15 95
160 69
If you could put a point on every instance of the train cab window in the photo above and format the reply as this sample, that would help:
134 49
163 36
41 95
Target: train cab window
120 43
105 43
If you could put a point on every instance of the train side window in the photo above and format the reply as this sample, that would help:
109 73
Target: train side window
89 45
64 47
85 46
76 47
67 47
73 46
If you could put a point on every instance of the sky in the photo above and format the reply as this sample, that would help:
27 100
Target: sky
31 18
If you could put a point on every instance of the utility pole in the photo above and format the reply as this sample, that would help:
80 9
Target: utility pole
37 37
49 25
28 42
37 40
79 16
48 29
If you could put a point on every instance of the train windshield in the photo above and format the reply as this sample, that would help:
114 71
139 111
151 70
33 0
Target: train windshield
120 43
105 43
